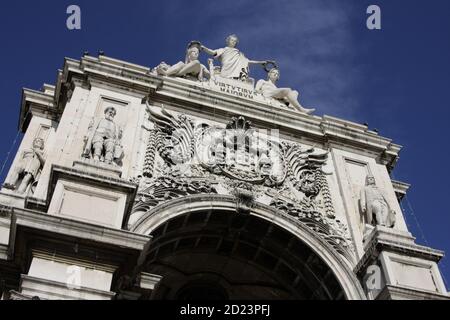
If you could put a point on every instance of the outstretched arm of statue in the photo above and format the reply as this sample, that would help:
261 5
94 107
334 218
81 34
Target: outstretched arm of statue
262 62
208 51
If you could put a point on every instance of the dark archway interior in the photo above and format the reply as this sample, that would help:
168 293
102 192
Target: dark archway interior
221 255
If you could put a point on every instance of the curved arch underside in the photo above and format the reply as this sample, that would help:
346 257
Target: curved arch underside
214 254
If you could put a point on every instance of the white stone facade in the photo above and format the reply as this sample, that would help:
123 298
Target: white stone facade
107 227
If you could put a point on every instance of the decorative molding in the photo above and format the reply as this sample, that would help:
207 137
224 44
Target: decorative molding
150 152
238 161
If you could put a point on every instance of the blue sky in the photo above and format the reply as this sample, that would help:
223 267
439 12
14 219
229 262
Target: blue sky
396 79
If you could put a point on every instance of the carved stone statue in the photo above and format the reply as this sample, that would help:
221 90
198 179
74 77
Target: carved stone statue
191 68
235 65
374 206
103 140
269 89
28 168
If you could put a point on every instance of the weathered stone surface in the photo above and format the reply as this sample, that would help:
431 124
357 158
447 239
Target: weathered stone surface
211 169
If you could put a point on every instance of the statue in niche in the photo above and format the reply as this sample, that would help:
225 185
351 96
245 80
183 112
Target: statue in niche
269 89
28 168
374 206
235 65
191 68
103 141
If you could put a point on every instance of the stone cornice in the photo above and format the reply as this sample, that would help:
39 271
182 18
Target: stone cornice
82 291
193 97
37 103
385 239
324 130
108 182
400 188
397 292
77 229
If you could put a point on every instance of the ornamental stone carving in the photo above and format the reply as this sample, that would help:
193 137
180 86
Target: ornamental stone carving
164 189
374 206
234 64
191 68
269 90
252 165
103 141
28 169
310 212
242 153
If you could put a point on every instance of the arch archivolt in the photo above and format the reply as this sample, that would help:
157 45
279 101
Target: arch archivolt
214 204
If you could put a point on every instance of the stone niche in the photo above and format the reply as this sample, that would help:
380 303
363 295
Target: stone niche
93 198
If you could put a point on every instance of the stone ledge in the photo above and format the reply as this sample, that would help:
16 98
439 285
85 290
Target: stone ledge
391 292
4 249
391 240
324 129
15 295
100 180
36 102
149 281
8 198
79 229
97 168
400 188
32 284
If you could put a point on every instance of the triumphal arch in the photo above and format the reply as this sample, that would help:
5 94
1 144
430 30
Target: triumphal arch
186 180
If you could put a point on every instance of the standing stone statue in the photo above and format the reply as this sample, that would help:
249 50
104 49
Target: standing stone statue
235 64
191 68
374 206
269 89
103 141
28 168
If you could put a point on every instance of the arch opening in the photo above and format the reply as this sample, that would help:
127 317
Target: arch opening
215 254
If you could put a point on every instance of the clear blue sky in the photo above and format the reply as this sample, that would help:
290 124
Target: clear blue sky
396 79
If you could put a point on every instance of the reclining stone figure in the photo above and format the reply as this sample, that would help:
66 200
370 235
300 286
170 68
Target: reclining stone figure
269 89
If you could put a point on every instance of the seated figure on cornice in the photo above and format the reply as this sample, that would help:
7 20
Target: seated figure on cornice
269 89
191 68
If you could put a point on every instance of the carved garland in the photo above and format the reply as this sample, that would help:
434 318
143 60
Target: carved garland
149 159
164 189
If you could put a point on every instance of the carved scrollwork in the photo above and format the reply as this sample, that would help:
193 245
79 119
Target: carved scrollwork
165 188
246 163
330 229
305 168
150 151
245 194
174 137
242 153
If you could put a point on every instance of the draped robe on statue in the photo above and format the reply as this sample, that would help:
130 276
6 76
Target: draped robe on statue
234 63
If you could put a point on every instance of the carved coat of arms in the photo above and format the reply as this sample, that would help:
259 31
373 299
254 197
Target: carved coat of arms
250 164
